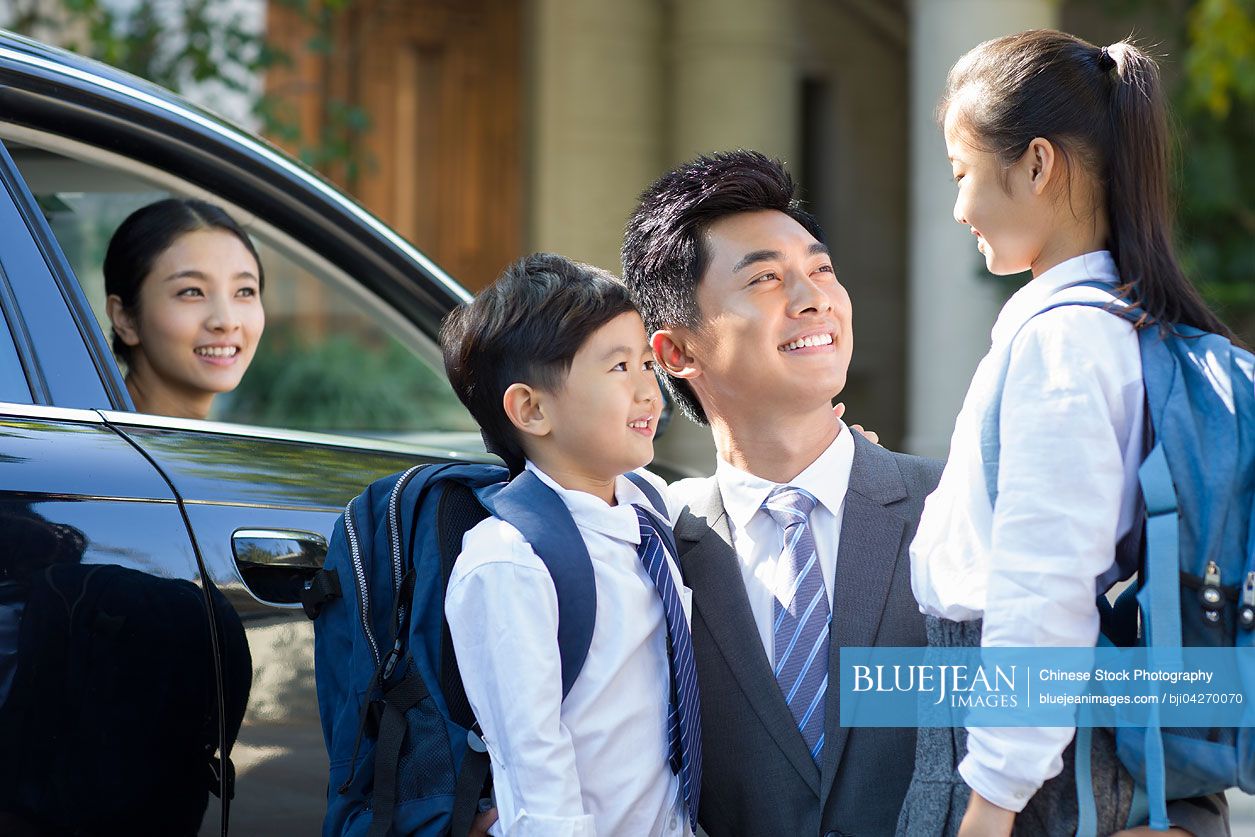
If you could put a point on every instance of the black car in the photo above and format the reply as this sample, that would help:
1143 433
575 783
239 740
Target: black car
347 385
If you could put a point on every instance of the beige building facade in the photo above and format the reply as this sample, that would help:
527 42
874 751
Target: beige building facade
845 92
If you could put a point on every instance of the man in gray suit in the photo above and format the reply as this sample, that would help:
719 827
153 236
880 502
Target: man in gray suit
798 545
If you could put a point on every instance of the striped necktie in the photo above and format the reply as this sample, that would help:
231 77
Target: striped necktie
684 732
802 616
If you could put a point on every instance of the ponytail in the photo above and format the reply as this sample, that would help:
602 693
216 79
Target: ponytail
1102 108
1138 204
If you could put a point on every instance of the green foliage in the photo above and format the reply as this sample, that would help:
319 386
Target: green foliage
1215 107
1220 63
181 43
1212 45
344 383
1216 113
173 45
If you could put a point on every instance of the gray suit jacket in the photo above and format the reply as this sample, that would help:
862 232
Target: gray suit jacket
758 777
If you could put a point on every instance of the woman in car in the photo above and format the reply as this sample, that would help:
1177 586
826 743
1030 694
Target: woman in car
184 287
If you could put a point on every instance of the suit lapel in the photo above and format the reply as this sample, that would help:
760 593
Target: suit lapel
870 542
720 603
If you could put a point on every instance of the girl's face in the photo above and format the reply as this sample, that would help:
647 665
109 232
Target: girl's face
1003 207
196 326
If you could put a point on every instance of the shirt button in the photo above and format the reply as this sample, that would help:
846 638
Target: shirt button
674 823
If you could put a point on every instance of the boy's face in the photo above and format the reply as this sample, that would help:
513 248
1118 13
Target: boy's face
602 421
769 285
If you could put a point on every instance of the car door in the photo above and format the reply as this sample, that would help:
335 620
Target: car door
72 489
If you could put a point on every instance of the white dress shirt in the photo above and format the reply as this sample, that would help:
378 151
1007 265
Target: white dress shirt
1071 443
597 762
759 540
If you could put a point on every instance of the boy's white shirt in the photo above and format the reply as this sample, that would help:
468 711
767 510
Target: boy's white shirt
1071 443
597 762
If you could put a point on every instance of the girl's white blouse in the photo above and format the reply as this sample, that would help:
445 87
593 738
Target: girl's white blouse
1071 443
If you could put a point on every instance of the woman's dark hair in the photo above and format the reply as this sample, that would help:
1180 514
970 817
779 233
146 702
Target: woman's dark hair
1102 108
150 231
524 328
664 252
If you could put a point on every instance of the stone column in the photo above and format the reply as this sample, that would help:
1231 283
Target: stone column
598 121
735 77
953 300
735 83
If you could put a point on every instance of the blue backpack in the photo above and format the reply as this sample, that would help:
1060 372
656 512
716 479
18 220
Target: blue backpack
405 753
1196 554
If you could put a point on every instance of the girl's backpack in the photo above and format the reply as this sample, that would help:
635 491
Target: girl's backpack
405 753
1196 584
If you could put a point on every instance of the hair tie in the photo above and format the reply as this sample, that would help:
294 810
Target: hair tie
1105 62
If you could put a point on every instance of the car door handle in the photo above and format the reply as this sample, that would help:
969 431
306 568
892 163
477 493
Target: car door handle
286 549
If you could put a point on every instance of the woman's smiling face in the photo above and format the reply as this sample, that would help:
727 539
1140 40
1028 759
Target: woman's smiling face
196 326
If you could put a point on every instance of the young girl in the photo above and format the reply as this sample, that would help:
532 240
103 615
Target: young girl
1058 148
184 287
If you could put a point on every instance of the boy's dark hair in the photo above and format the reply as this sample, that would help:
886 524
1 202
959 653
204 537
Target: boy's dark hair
1102 108
664 255
525 328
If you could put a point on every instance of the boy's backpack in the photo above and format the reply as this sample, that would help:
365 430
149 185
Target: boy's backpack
1196 584
405 753
111 726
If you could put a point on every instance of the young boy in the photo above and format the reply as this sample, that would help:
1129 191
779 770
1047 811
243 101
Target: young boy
553 362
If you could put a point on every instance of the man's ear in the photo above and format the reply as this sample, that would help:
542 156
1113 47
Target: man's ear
1043 164
523 407
671 350
122 320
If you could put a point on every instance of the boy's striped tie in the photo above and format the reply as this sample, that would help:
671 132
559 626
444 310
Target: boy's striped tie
683 717
802 616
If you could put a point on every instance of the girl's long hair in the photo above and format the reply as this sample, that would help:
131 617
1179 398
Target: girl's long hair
1103 109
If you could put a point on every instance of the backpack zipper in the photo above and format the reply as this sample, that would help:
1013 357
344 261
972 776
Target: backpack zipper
359 575
394 536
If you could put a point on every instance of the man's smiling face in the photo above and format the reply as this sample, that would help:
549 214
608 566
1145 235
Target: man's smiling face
775 328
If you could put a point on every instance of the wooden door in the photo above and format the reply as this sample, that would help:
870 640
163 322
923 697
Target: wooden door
441 84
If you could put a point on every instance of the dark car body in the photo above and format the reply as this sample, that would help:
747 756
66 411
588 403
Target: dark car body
246 507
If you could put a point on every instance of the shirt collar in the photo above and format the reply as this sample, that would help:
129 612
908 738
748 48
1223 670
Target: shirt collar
827 478
1099 266
589 512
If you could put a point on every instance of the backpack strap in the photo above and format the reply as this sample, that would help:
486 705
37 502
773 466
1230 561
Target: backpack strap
991 427
459 511
398 700
650 493
1086 807
1160 598
539 514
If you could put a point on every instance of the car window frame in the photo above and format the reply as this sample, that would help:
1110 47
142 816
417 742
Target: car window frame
46 345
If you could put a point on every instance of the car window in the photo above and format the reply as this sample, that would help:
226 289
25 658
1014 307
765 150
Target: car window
333 358
13 386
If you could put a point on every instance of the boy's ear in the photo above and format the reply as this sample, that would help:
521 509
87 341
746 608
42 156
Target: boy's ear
522 406
1043 162
122 321
671 350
